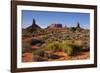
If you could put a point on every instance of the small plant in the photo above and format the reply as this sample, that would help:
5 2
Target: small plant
26 48
58 46
35 41
76 48
55 46
67 49
39 53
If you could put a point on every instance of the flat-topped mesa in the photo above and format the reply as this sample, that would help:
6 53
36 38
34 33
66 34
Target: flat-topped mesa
55 26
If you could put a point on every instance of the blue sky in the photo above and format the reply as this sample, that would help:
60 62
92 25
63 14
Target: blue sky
45 18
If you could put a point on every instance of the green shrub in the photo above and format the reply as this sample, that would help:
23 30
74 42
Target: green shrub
66 46
67 49
35 41
26 48
55 45
76 48
58 46
39 53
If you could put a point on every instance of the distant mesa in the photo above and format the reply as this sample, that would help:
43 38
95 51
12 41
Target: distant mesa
52 26
55 26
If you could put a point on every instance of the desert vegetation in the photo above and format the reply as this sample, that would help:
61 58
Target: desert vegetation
54 44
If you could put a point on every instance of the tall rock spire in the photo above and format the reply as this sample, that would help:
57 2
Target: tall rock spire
78 25
33 23
33 27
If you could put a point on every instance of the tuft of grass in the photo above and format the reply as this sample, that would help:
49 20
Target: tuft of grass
55 45
67 48
76 49
59 46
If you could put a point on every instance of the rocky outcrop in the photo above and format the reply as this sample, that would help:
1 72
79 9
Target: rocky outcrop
78 25
33 27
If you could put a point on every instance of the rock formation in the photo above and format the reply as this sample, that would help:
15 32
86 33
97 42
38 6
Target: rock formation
78 25
55 26
33 27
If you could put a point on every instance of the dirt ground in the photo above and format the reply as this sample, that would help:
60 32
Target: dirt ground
28 57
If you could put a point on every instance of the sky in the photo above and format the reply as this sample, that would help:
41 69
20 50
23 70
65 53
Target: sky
46 18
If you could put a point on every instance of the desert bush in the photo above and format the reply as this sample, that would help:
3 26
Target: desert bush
26 48
39 53
35 41
26 34
73 29
66 48
58 46
55 45
76 48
